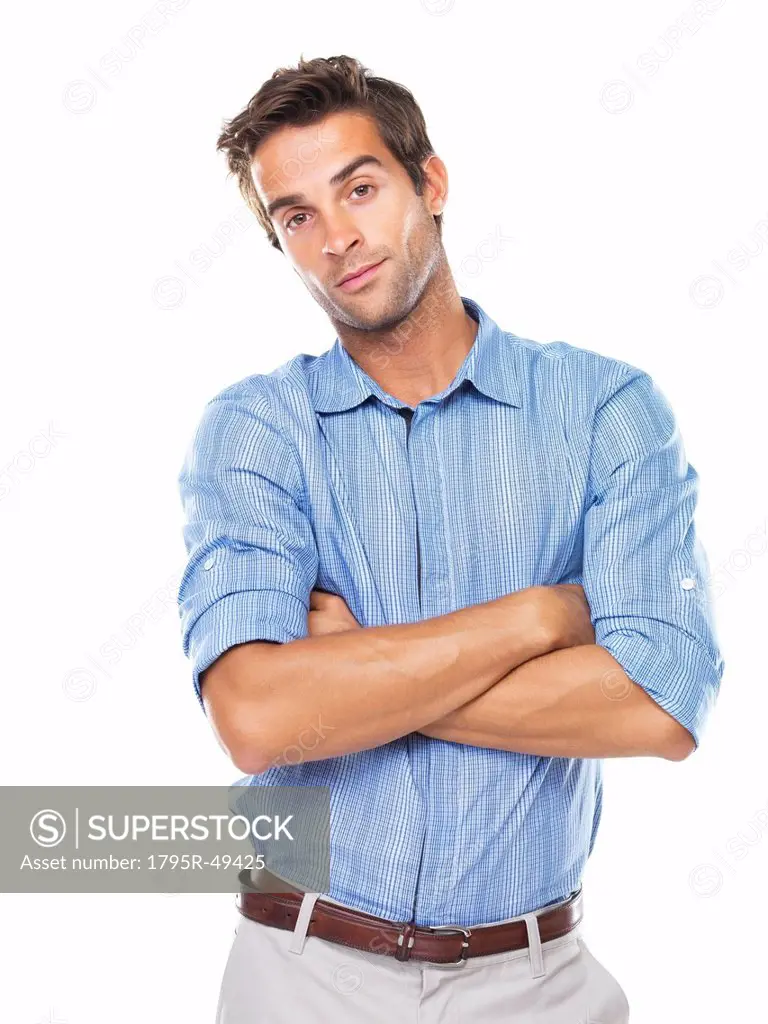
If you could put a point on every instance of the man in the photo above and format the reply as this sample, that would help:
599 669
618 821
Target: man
455 569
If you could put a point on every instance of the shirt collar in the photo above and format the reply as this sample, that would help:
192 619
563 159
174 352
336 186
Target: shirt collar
337 382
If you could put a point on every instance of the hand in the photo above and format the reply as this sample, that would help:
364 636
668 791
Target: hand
568 614
328 613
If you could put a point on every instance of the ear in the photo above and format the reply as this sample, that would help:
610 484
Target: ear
436 183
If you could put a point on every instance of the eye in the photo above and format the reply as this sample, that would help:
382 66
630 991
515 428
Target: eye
293 218
289 222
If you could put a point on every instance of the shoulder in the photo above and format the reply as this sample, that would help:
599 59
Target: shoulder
260 387
259 404
586 376
236 416
274 391
589 393
250 421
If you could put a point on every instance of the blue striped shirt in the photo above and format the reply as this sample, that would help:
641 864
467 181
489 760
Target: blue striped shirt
538 464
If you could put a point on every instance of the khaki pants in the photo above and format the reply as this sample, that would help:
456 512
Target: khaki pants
274 976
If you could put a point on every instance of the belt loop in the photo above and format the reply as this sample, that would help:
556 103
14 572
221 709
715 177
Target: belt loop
534 946
302 922
405 941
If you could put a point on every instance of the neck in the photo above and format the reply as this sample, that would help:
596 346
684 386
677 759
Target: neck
419 356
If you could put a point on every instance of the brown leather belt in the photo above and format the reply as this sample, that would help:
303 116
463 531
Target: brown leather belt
441 944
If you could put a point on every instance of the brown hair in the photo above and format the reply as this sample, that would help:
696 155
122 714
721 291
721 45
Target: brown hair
307 94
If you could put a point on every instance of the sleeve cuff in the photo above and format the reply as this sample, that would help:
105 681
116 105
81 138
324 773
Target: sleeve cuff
239 618
682 678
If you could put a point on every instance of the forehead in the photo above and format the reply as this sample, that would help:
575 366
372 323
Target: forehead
294 158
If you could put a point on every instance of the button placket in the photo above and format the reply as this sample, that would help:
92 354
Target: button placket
427 481
429 507
408 415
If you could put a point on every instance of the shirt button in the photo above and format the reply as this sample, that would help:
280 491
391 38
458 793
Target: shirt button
209 562
687 583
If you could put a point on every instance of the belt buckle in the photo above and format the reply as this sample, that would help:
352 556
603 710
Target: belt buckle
466 932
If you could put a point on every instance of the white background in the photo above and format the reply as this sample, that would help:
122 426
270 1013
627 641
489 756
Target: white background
616 154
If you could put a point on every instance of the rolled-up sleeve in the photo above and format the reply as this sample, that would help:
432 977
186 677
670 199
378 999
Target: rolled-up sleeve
645 570
252 558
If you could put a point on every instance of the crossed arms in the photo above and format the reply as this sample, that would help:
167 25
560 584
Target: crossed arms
623 664
518 673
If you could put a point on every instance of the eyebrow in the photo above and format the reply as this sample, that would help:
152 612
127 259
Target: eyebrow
336 179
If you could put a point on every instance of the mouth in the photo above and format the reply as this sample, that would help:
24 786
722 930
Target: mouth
350 284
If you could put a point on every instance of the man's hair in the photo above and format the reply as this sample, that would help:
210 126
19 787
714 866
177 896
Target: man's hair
307 94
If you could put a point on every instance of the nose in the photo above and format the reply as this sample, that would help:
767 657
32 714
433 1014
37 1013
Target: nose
341 234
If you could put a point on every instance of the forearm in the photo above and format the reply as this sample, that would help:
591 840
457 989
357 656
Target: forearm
575 702
360 688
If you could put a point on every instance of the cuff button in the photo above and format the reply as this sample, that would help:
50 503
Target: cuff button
687 583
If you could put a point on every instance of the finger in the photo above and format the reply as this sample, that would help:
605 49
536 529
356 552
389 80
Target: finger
319 624
314 623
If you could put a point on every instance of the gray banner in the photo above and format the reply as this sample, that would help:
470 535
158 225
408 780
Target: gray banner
162 838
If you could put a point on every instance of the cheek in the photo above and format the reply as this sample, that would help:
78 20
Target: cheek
410 226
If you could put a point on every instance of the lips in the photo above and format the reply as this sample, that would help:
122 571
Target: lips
363 271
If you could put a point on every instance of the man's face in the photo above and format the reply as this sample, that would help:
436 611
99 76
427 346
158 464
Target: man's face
329 228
